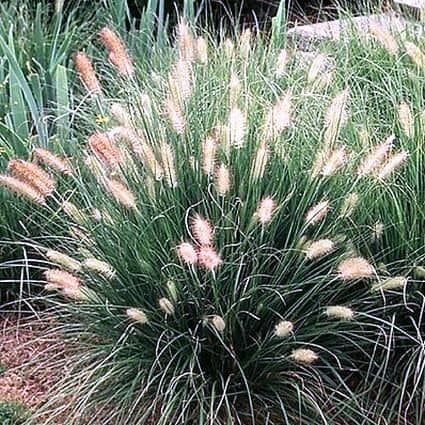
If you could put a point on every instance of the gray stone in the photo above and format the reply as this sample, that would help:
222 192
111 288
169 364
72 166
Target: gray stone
412 7
332 30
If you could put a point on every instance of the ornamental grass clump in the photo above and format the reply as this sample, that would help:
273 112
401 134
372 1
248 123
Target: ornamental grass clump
216 269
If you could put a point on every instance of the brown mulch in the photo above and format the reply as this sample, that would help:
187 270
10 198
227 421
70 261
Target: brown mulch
25 348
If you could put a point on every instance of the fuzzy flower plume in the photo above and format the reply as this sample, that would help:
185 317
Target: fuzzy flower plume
405 118
237 127
355 268
393 163
104 150
181 83
118 55
218 323
304 356
208 258
349 205
53 161
99 266
336 159
121 115
187 252
72 211
235 88
66 283
202 50
166 306
317 68
260 161
202 230
317 213
336 117
33 175
85 70
209 149
185 42
137 315
415 54
279 116
376 157
222 180
384 37
121 193
63 260
168 166
283 329
339 312
398 282
319 248
175 115
22 189
281 63
147 154
265 210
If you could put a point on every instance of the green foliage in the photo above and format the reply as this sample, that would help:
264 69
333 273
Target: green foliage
164 340
14 413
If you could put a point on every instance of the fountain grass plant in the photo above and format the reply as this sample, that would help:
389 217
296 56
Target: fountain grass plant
235 249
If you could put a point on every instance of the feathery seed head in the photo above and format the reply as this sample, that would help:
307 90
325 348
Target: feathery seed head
390 283
53 161
63 260
336 159
281 63
175 115
317 213
167 158
415 53
185 42
187 253
336 117
304 356
237 127
405 117
202 230
355 268
349 205
72 211
283 329
235 88
222 180
339 312
265 210
62 279
384 37
319 248
181 84
393 163
260 161
118 55
137 315
22 189
85 70
121 193
166 306
202 50
121 115
375 158
209 149
208 258
99 266
102 147
218 323
33 175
